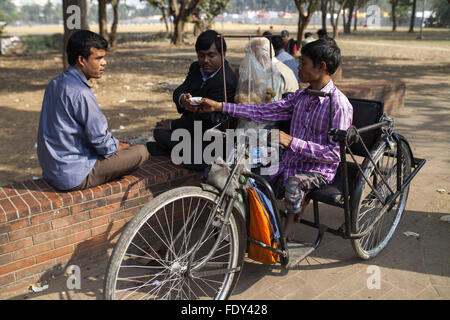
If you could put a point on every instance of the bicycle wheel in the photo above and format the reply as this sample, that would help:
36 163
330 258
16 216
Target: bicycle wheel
150 260
366 205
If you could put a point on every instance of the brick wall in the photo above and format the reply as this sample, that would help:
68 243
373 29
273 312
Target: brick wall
390 91
43 231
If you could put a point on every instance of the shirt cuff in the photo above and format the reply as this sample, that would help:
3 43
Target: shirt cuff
112 149
228 108
179 101
297 145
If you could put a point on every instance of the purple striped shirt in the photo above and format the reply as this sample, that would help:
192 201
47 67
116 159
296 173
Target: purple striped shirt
310 150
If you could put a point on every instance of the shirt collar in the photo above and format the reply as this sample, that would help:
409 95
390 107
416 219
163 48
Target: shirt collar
205 77
77 74
328 87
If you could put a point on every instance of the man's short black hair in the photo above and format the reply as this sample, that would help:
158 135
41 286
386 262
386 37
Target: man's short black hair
322 33
284 33
308 34
277 42
207 38
80 44
324 49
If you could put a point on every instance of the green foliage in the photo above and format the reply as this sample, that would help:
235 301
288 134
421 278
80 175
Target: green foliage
8 11
42 43
440 16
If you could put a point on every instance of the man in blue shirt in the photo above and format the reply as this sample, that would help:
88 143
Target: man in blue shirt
285 57
75 148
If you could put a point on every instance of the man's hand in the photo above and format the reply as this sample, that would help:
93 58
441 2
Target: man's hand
163 125
187 103
283 139
123 145
208 105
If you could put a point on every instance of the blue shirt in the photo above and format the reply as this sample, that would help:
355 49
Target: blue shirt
73 132
290 61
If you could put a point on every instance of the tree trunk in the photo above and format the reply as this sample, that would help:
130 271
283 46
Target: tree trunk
413 16
348 25
323 8
102 22
75 18
334 22
394 17
165 19
177 37
356 15
113 34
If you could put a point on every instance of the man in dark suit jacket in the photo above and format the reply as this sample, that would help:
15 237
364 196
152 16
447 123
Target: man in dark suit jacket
205 79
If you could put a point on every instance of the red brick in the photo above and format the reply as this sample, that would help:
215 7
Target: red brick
42 185
73 238
49 216
69 220
116 187
97 192
10 210
89 224
15 225
105 210
7 280
52 235
33 205
2 215
3 238
56 200
106 189
87 194
10 191
16 265
54 254
22 208
111 227
86 206
35 269
2 194
43 200
20 188
76 196
16 245
91 242
28 232
31 251
5 258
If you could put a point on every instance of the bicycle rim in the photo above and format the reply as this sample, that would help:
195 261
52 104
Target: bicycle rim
150 261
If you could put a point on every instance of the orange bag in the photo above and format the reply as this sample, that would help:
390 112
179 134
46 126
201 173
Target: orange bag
261 230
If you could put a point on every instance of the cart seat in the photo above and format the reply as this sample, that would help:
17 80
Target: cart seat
365 113
333 194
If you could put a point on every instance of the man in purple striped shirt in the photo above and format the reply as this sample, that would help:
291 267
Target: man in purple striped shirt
311 158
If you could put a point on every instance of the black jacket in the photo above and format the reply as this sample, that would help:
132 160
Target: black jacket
213 89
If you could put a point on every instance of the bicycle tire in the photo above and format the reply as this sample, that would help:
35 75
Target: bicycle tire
146 230
366 206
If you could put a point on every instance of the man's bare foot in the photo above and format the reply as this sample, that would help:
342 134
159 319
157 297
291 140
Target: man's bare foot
289 227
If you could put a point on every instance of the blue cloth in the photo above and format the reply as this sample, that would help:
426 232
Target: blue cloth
73 132
290 61
267 204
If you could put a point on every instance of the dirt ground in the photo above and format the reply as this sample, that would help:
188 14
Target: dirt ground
136 91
